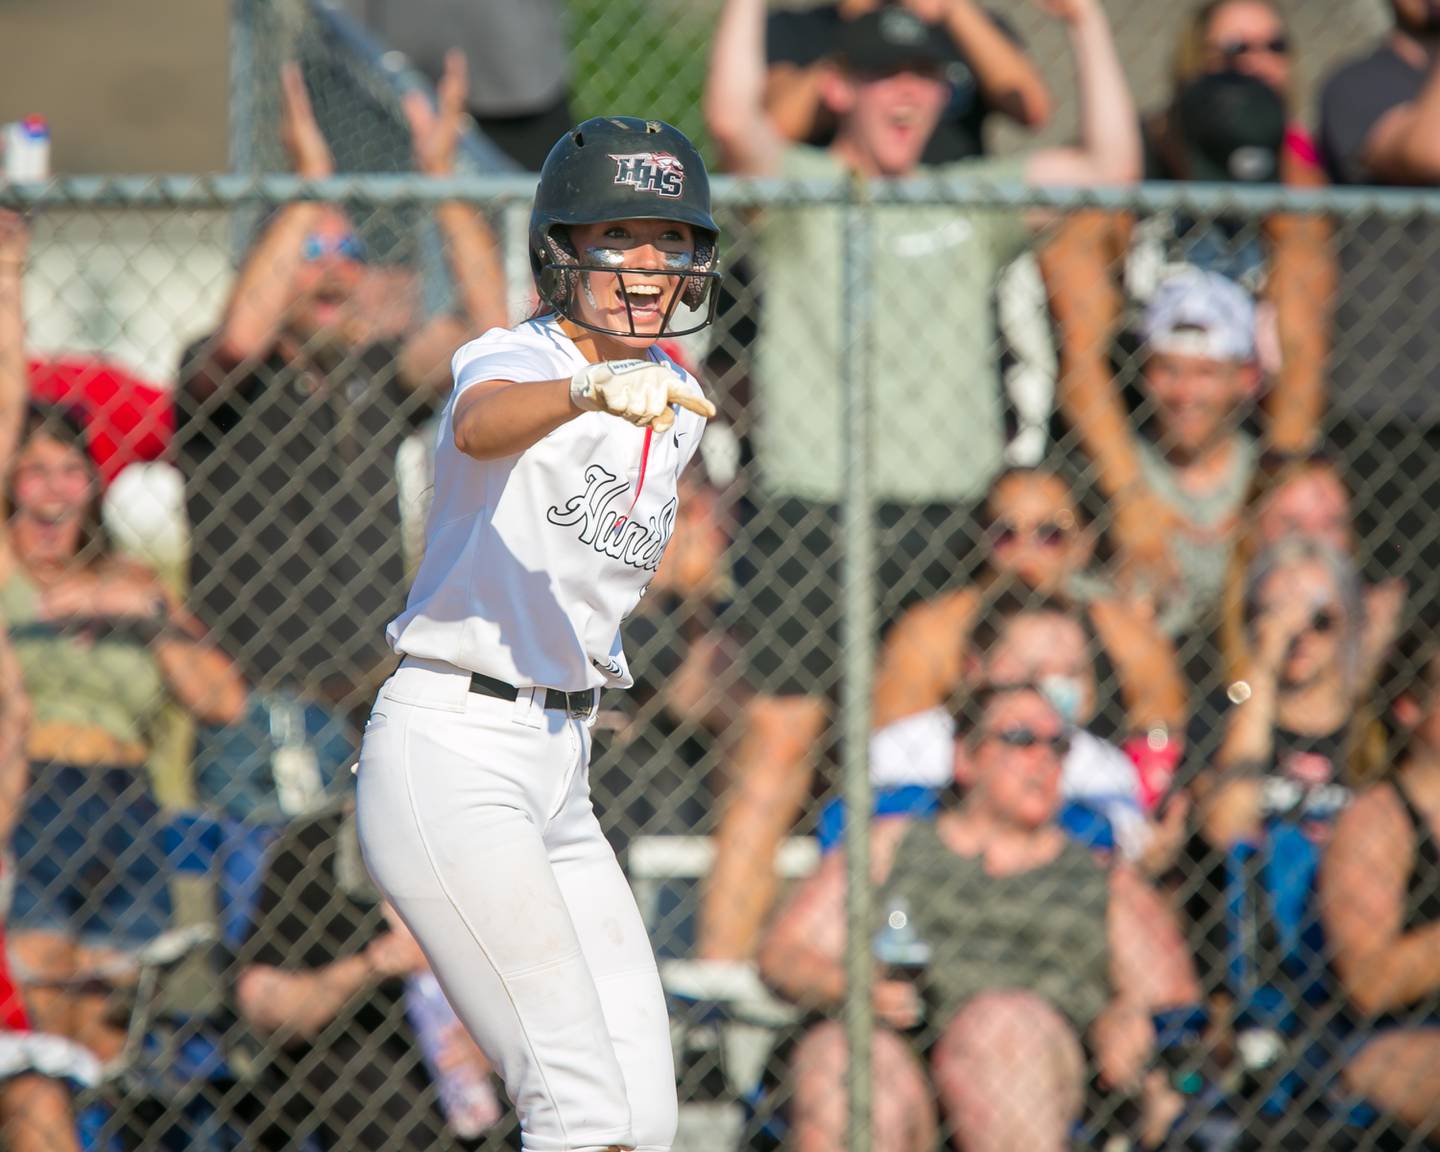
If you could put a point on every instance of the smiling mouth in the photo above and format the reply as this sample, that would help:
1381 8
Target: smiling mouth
643 300
51 518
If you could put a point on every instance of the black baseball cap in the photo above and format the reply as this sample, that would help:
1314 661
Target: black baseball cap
1231 128
891 39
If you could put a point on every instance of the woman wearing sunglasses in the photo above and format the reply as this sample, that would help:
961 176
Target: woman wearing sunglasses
1035 539
1274 757
1291 731
1250 37
1305 495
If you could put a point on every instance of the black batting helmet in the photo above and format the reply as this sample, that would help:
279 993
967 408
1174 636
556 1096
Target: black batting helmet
621 168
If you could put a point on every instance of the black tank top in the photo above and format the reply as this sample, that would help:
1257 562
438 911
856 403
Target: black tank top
1422 893
1422 907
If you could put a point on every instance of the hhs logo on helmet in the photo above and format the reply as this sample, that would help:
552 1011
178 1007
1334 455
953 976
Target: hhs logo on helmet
659 172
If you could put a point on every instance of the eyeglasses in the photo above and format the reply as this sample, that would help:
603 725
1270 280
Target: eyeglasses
348 245
1232 50
1047 534
1028 738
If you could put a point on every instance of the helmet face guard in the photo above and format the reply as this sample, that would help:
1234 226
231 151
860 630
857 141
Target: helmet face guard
710 298
623 168
696 286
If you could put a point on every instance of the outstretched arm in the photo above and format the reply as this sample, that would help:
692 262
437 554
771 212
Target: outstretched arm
1006 74
14 384
469 243
1109 151
498 418
735 92
265 288
1301 287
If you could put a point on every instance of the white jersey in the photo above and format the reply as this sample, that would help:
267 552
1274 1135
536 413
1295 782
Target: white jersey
532 561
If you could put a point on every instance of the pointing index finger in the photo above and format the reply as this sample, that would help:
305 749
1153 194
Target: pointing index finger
689 401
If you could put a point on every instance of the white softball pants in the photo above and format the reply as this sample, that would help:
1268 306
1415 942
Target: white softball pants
476 823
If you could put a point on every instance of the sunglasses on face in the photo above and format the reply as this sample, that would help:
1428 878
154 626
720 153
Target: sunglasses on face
1021 737
348 245
1322 621
1232 50
1047 534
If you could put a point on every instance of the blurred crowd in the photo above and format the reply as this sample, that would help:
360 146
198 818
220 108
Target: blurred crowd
1155 728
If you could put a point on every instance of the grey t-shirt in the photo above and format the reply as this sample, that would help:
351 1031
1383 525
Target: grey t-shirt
1386 359
518 58
1202 549
938 429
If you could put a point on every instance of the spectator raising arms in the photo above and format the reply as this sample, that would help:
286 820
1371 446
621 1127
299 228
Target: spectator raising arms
1037 952
987 72
102 647
1200 376
1380 901
935 341
289 419
1229 119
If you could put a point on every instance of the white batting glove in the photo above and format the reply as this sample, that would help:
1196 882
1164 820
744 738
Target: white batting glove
639 391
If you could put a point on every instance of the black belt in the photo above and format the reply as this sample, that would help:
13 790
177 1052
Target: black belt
577 704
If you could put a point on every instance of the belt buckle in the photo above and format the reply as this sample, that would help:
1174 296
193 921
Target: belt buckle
576 709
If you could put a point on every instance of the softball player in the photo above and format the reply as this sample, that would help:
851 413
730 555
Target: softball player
555 494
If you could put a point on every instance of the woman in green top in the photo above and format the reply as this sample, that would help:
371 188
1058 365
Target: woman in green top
1036 953
102 648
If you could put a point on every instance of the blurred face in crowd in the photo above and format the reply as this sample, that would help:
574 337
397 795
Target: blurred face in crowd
1034 531
1249 36
50 491
1312 504
1318 651
1050 650
1015 761
1420 18
325 316
623 300
887 119
1197 400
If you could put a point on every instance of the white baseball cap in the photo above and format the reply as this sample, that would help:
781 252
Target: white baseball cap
1200 313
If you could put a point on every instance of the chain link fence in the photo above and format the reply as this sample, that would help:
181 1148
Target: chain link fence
1202 922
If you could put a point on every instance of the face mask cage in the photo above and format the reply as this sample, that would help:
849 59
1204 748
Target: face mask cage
698 288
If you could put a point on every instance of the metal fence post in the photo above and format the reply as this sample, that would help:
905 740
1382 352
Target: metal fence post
858 573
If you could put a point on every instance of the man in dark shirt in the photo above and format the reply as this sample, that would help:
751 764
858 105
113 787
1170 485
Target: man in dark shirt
1380 124
321 984
289 418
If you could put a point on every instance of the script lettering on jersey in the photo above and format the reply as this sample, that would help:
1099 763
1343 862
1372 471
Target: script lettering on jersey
659 172
599 512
